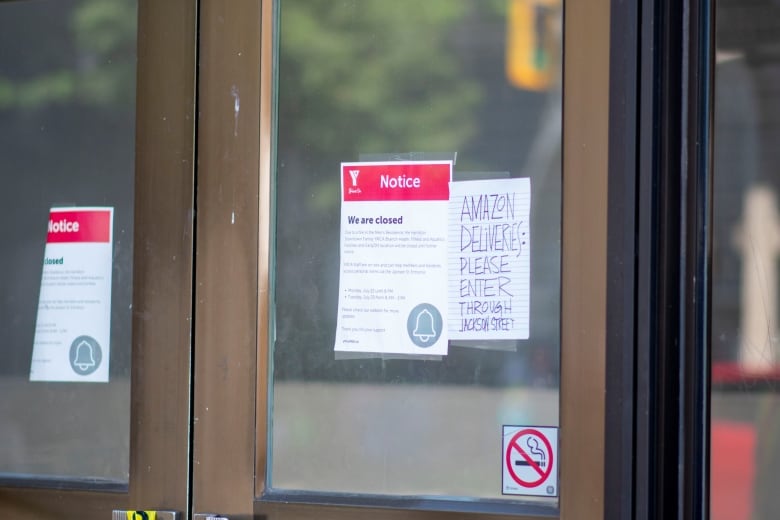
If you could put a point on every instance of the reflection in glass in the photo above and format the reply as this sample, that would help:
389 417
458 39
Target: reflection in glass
746 243
368 80
67 111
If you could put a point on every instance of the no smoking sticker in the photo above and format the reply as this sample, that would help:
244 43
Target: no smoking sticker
530 461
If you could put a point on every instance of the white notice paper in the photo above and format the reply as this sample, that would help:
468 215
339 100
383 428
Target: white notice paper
393 273
489 259
73 327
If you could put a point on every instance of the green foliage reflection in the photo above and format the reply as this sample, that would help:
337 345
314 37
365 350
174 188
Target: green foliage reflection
84 52
371 76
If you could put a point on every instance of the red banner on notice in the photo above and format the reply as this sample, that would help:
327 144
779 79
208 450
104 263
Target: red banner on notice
79 226
364 182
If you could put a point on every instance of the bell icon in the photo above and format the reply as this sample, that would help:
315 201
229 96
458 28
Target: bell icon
84 356
424 328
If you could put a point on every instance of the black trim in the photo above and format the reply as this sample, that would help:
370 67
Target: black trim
485 506
645 488
194 265
621 259
666 306
674 202
658 262
695 354
61 483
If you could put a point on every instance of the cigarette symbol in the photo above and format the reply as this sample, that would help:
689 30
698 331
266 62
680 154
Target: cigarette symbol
539 463
533 447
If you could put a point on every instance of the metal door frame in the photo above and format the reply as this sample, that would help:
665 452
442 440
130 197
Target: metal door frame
231 343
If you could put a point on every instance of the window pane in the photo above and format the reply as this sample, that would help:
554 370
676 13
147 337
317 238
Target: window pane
370 81
67 111
745 406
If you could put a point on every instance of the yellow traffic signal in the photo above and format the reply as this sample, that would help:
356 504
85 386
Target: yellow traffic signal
533 44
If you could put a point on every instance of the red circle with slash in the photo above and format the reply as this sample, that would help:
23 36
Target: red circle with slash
514 444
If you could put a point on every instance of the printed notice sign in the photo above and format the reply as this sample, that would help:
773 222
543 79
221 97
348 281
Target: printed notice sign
393 281
72 330
489 259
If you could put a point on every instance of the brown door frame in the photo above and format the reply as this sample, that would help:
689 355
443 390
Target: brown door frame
165 193
227 257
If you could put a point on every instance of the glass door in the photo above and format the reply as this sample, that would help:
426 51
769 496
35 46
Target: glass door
745 406
97 175
290 420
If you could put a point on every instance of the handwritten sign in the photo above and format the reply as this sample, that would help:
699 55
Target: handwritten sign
489 245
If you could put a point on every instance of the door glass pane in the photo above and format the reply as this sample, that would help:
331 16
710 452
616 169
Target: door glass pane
67 110
745 372
384 86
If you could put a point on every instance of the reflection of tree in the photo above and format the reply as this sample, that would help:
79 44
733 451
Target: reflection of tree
93 62
373 76
67 97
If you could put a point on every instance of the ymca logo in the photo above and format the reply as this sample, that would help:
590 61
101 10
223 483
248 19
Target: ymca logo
354 189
